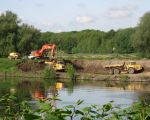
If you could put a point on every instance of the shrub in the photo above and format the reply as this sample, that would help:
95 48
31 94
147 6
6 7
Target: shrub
70 71
49 73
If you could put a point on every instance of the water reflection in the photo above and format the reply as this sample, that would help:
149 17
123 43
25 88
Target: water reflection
93 92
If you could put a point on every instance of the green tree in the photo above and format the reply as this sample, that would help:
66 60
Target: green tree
29 39
142 36
8 32
122 41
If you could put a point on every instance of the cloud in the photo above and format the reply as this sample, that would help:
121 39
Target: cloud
121 12
84 19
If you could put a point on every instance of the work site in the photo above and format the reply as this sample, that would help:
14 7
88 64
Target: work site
47 57
74 60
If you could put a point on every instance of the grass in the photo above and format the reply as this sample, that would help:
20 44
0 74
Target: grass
7 65
87 56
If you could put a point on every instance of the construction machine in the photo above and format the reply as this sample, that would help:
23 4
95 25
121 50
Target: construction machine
130 67
56 65
40 53
13 55
51 61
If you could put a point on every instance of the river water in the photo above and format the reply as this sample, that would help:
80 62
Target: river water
92 92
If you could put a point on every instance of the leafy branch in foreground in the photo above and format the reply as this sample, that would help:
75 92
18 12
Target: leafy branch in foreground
11 108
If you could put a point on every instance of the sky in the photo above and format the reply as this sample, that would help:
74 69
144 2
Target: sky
76 15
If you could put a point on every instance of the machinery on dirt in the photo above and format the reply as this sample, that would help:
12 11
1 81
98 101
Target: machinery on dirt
52 62
13 55
130 67
56 65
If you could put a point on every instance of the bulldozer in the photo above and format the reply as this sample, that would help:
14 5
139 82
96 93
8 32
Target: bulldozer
13 55
129 67
55 64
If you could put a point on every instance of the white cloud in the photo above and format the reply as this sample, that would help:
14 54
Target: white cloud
121 12
84 19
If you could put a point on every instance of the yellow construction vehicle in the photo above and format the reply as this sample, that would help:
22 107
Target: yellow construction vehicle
56 65
13 55
130 67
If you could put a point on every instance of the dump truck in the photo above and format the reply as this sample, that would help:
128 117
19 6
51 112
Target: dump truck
128 67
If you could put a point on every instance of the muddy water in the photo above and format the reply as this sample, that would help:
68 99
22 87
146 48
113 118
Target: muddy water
123 93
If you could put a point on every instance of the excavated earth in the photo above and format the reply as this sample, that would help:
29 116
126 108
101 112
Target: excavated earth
98 66
92 69
30 65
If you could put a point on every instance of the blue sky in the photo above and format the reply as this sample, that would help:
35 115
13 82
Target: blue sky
76 15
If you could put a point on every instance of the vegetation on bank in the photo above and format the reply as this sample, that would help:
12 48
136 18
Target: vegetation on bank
23 38
11 108
8 65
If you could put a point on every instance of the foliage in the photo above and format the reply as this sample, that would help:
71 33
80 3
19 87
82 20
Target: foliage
7 65
8 32
124 77
15 36
142 36
28 38
49 73
12 109
121 42
70 71
20 37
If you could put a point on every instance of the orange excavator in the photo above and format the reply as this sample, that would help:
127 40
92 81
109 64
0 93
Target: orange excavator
56 65
40 53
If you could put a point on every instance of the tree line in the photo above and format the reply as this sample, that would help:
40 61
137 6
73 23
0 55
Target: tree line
23 38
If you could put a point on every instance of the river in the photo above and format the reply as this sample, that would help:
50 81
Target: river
92 92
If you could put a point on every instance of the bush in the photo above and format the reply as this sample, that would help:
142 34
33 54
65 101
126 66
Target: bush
70 71
11 109
49 73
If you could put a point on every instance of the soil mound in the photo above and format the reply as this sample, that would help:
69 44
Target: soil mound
98 66
30 65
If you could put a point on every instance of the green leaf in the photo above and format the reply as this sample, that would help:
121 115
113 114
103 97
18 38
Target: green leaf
31 117
69 106
79 112
87 109
66 113
79 102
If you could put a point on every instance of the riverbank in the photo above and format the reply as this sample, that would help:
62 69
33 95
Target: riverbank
141 77
85 70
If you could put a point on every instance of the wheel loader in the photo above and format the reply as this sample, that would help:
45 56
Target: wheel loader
129 67
13 55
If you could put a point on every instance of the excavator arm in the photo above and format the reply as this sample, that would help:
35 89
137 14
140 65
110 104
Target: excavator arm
39 53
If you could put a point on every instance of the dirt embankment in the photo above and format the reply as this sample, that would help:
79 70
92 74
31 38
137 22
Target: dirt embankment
93 69
84 66
30 65
98 66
